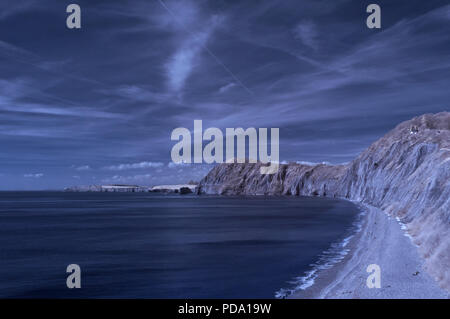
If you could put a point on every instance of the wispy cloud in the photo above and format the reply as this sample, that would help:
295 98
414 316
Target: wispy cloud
140 178
191 39
177 165
34 175
227 87
83 168
306 32
137 93
15 92
141 165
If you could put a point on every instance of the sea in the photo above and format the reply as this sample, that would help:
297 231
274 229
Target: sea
153 245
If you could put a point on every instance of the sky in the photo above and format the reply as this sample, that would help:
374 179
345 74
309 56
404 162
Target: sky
97 105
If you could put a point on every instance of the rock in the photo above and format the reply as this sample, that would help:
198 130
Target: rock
178 189
406 173
185 190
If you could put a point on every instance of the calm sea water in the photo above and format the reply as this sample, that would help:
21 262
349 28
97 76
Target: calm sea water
145 245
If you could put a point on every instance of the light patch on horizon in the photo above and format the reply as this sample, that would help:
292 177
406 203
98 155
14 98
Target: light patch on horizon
140 165
83 168
34 175
178 165
140 178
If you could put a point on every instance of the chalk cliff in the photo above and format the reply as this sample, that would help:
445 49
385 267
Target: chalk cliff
406 173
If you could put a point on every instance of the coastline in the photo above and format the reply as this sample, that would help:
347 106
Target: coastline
381 241
327 260
405 173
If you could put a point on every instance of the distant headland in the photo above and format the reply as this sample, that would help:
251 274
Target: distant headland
191 187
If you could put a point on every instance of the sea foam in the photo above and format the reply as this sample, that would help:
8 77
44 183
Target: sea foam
327 259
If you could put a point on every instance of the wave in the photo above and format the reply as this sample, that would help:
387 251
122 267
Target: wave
327 259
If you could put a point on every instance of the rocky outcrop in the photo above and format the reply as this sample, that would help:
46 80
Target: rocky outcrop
406 173
178 189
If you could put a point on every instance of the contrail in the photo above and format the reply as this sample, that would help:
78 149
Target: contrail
207 50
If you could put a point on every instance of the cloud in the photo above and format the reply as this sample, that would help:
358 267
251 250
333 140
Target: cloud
184 60
227 87
83 168
177 165
36 175
122 167
15 103
136 93
141 178
307 33
312 163
181 65
191 37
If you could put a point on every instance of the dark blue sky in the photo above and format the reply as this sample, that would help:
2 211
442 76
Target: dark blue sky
98 105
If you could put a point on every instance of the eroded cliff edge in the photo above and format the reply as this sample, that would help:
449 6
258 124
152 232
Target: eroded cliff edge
406 173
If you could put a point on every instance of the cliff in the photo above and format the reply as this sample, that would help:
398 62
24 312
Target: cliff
406 173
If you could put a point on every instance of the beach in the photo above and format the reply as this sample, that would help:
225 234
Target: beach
382 241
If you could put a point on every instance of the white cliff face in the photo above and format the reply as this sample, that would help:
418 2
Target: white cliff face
406 173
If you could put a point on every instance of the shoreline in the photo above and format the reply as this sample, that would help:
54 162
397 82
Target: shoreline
381 241
327 260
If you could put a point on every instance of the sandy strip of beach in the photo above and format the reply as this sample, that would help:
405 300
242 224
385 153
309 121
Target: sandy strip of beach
380 241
